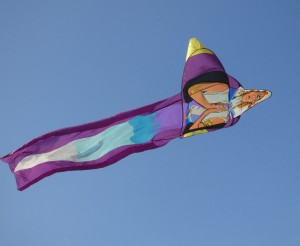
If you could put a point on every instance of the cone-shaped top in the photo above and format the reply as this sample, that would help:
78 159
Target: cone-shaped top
195 48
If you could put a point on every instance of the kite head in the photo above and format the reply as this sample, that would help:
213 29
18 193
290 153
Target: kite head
212 99
246 99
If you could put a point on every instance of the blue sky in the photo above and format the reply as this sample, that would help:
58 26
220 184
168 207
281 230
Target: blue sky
65 63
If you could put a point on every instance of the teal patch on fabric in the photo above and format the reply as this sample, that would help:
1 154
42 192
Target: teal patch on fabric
86 152
139 130
92 148
144 128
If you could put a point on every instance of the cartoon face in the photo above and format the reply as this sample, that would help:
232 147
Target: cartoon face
243 100
253 96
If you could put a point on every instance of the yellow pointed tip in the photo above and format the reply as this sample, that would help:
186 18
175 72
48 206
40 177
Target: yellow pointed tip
195 48
196 44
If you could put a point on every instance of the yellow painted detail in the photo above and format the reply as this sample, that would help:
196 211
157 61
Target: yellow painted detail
189 134
196 48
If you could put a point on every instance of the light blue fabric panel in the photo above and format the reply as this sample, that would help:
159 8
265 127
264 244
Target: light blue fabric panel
92 148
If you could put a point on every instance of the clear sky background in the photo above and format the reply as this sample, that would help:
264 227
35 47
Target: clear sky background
64 63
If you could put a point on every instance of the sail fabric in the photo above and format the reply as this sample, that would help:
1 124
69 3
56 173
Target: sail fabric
97 144
209 100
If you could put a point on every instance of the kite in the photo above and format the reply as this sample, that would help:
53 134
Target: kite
209 100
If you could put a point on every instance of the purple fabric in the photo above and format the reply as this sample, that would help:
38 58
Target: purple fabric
200 64
170 128
204 63
28 177
63 136
233 83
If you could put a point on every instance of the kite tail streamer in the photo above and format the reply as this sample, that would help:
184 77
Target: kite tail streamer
97 144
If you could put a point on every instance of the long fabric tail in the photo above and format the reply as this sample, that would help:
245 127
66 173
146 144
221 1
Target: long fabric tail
97 144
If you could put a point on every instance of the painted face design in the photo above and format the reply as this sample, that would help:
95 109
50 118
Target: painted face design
253 96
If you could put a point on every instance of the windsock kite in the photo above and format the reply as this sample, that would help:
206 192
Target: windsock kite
209 100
